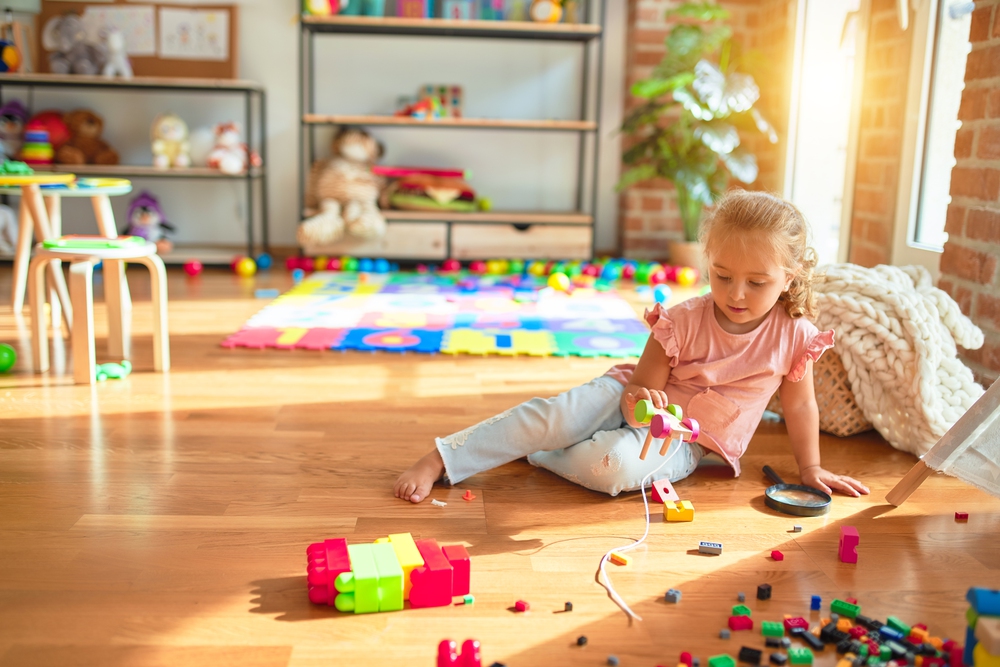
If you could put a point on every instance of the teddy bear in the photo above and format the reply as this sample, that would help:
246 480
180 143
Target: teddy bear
85 145
170 142
13 116
146 219
345 191
118 62
65 38
230 155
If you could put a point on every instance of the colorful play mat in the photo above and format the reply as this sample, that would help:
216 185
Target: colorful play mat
454 314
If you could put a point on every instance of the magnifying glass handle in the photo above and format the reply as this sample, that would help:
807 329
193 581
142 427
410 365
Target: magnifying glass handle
773 476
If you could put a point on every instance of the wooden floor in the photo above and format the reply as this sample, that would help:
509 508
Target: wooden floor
163 520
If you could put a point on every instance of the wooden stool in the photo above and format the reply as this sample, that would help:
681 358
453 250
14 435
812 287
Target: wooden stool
81 290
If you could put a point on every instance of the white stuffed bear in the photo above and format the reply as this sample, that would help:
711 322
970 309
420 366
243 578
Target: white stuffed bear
118 63
230 155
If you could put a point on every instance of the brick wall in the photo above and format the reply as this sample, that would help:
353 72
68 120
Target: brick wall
972 254
649 211
880 146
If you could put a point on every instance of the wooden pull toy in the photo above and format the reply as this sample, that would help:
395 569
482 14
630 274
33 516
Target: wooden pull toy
667 424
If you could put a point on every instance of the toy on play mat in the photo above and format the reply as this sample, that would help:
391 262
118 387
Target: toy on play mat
668 424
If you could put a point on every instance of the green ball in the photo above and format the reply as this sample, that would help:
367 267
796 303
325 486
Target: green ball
8 357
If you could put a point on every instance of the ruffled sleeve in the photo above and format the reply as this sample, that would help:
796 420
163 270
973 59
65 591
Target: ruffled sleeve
662 329
819 344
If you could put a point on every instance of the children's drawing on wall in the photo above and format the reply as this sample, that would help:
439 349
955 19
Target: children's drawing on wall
136 24
194 34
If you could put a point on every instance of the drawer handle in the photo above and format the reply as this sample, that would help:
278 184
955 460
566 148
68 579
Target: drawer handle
521 226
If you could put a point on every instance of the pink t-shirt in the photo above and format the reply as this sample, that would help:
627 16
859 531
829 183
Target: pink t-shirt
725 380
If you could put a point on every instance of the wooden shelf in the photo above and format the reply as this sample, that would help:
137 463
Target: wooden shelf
146 82
374 25
485 217
483 123
138 171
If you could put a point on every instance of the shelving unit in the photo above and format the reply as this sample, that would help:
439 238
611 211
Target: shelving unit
254 108
438 235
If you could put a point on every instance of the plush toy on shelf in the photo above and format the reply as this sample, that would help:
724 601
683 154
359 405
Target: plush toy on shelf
345 191
44 134
170 142
118 63
545 11
70 52
13 116
85 145
146 219
230 155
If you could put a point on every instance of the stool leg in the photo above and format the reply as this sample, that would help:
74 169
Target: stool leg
22 256
53 208
115 285
81 286
39 324
40 217
161 336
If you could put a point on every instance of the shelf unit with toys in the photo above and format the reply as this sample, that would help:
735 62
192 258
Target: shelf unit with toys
419 235
255 178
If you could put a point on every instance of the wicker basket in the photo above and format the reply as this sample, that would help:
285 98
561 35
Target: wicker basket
839 414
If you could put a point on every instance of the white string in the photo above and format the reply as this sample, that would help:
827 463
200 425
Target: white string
612 593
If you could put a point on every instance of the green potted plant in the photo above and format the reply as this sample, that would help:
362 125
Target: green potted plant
686 130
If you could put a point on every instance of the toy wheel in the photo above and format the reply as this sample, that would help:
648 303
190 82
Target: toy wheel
692 425
659 426
675 410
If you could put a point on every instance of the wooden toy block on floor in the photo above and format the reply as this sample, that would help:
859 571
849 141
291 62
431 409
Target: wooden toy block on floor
663 491
620 559
988 634
678 511
848 549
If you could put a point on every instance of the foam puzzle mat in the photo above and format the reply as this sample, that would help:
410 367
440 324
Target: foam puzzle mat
453 314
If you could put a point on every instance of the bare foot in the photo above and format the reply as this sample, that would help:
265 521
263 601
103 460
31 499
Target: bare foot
416 483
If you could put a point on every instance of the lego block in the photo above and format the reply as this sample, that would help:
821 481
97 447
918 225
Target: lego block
857 631
800 656
808 638
773 642
741 610
714 548
796 529
772 629
777 555
613 660
815 603
742 597
568 606
326 561
461 568
897 624
682 510
722 660
796 622
890 633
988 634
432 581
468 599
764 592
359 587
740 623
390 578
448 655
829 634
686 658
663 491
844 624
620 559
408 556
970 646
581 640
724 633
848 549
984 601
845 608
851 601
750 655
673 595
778 659
521 605
961 516
919 635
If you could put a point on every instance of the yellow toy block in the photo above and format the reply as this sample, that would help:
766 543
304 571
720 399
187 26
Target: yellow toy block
409 557
679 511
983 659
620 559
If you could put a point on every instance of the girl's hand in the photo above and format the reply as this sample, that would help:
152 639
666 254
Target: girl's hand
824 480
635 394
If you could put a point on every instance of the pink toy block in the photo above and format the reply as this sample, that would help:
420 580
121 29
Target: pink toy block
458 557
961 516
685 658
663 491
849 539
797 622
777 555
326 560
432 583
740 623
521 605
448 655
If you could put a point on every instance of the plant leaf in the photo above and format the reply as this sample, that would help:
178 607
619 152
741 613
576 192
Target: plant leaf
685 39
719 136
764 126
635 175
724 94
702 11
655 87
692 105
742 165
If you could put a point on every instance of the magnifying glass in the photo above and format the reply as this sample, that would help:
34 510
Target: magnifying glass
795 499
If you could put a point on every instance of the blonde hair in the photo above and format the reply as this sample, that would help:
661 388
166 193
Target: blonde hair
753 218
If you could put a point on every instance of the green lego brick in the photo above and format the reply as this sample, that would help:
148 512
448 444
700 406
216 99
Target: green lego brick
359 587
772 629
469 599
863 651
741 610
390 577
971 617
897 624
800 656
884 652
845 608
723 660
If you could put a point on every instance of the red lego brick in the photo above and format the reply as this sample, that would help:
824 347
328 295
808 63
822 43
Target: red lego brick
521 605
849 539
858 631
851 601
873 648
796 622
948 645
432 583
326 560
957 657
961 516
740 623
685 658
461 566
663 491
777 555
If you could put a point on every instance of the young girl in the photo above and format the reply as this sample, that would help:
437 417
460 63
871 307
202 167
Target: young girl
720 357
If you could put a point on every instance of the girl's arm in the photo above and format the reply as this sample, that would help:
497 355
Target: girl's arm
648 381
798 402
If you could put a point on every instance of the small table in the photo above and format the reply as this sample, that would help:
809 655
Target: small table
41 213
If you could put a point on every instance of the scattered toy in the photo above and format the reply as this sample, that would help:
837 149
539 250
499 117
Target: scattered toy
521 605
663 491
961 516
673 595
468 599
714 548
741 610
723 660
193 268
613 661
740 623
845 608
620 559
678 511
724 633
848 549
815 602
772 629
750 655
448 655
793 622
438 503
581 640
8 357
742 597
469 495
568 606
777 555
764 592
113 371
796 529
778 659
800 656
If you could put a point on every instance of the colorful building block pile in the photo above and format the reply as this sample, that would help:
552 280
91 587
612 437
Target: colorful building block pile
982 636
368 578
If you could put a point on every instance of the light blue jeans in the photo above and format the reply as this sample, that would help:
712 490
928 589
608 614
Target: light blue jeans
579 434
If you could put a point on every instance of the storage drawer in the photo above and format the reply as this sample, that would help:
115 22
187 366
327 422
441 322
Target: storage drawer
507 241
402 240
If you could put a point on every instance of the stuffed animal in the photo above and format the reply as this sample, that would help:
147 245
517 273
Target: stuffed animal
118 63
170 142
345 191
545 11
230 155
65 37
85 145
146 219
13 116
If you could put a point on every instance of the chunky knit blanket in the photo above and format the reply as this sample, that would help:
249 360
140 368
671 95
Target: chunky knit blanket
896 334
